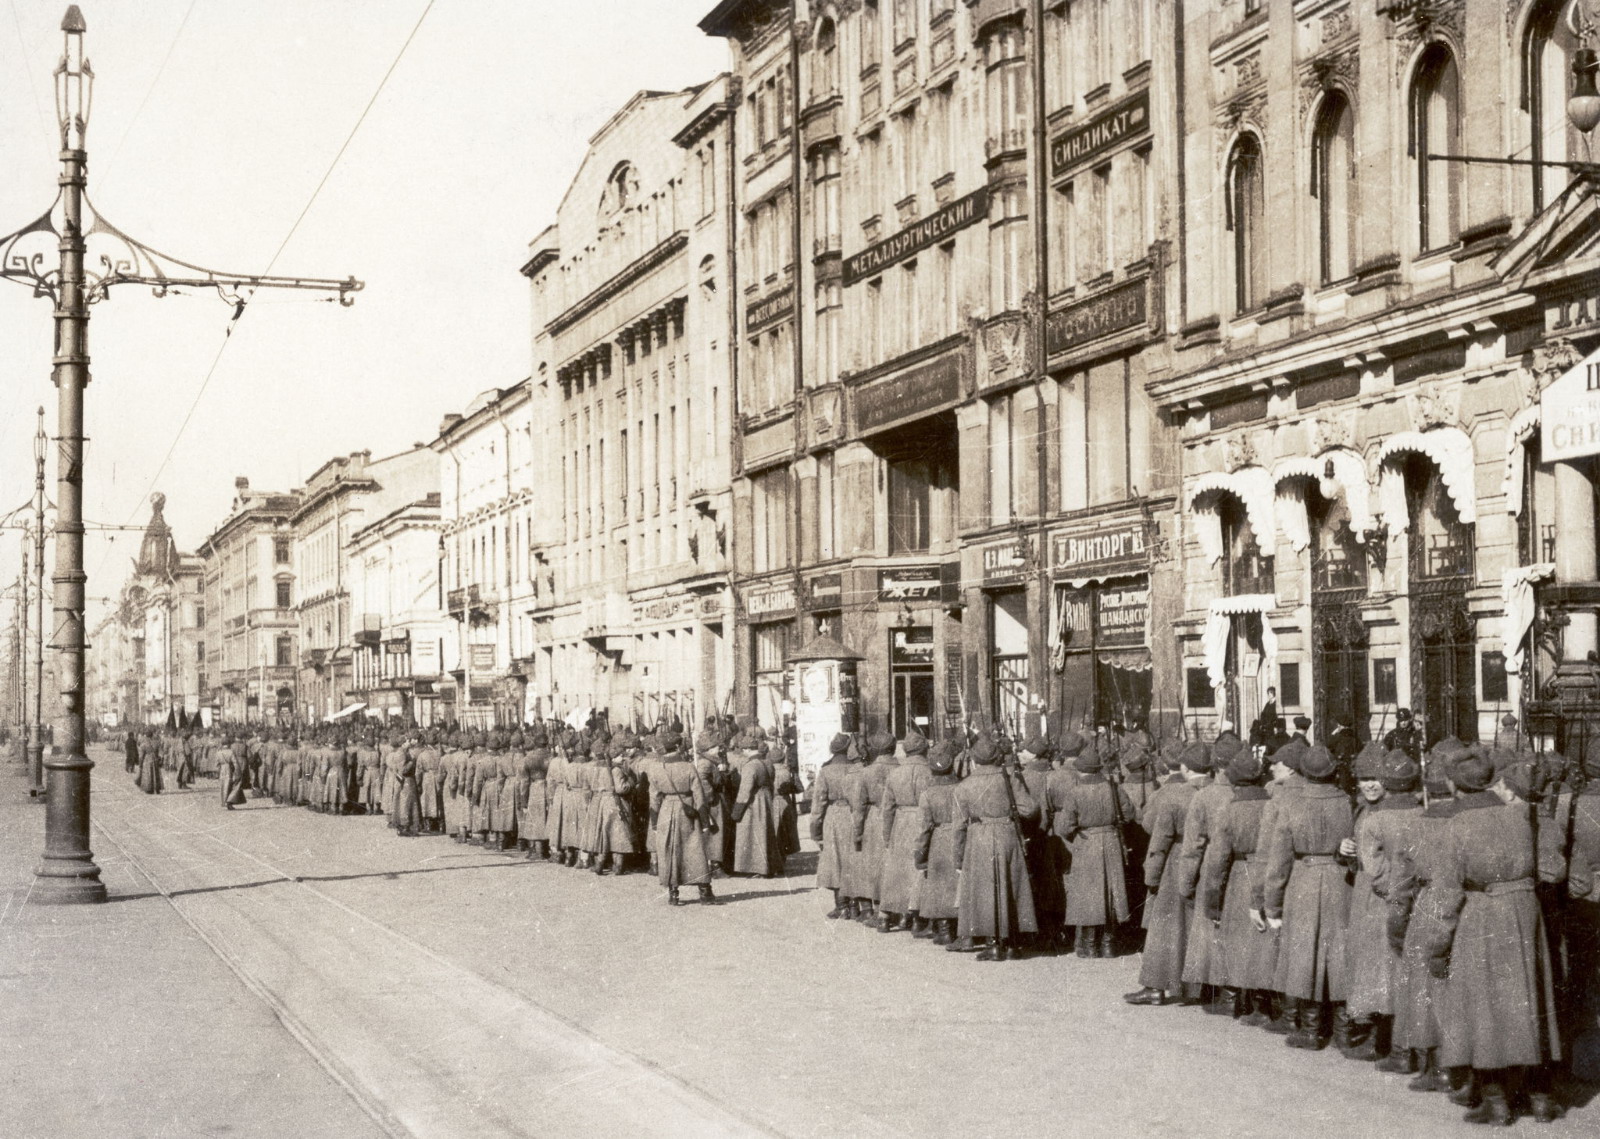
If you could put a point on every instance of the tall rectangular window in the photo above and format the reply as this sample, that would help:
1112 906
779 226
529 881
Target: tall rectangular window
708 179
910 528
827 524
1108 432
1000 486
1105 218
770 510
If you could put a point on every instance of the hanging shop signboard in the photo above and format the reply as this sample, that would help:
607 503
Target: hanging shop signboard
1005 563
770 604
1569 413
1099 552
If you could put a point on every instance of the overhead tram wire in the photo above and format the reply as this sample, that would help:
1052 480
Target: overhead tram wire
100 176
238 310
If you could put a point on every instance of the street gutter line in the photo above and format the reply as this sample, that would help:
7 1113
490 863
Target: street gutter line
329 1063
380 1114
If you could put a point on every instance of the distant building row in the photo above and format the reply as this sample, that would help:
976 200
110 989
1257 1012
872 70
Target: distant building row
1134 378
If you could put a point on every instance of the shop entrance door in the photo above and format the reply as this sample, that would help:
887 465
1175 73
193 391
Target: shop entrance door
911 680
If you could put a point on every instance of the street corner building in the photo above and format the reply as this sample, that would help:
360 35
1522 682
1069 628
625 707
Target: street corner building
963 485
1387 493
635 294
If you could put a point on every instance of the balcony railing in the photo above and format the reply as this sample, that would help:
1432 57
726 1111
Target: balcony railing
1249 574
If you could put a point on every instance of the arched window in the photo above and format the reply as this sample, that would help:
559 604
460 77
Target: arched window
1546 74
1333 182
825 63
1436 129
1246 219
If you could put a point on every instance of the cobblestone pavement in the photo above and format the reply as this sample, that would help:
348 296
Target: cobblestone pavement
451 991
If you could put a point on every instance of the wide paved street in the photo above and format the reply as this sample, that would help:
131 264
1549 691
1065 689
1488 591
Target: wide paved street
273 972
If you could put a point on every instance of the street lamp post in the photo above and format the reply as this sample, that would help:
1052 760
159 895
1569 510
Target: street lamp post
68 873
36 748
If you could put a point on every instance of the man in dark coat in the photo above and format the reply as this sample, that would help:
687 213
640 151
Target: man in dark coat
130 753
832 827
1092 820
935 857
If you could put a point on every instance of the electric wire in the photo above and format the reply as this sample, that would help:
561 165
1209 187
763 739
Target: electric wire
100 178
239 308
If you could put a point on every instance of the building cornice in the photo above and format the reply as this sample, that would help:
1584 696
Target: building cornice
642 266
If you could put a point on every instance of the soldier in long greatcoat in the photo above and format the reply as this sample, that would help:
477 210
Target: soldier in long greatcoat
1047 853
866 805
996 901
755 845
1387 782
533 820
1166 911
610 784
1499 1017
1204 942
430 785
681 809
1090 820
833 826
936 859
1307 895
1232 877
232 772
408 811
900 885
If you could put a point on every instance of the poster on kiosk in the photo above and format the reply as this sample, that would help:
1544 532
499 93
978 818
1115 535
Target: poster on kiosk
824 684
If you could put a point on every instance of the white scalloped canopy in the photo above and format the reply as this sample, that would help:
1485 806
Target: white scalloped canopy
1450 449
1253 487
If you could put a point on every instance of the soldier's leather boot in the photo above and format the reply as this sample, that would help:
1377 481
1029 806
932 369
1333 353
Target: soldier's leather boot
1463 1086
599 865
1106 944
921 926
616 865
1346 1033
944 931
707 898
1543 1107
1257 1008
1401 1061
1495 1110
888 923
996 950
1287 1018
1312 1034
838 910
1084 946
1430 1078
1146 996
672 897
1221 1002
961 945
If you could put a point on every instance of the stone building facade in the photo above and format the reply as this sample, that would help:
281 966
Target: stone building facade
634 297
341 497
393 575
489 497
1367 335
952 470
252 631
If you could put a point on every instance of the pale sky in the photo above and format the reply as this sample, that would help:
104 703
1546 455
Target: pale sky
462 160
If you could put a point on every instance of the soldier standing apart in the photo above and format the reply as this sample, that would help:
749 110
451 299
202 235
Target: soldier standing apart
408 811
1307 896
832 826
995 901
679 807
232 772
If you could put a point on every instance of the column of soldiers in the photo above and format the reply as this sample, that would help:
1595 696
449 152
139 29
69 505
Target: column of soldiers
609 802
993 848
1434 914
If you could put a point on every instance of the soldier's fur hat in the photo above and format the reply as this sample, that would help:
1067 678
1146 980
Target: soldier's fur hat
1399 773
1472 770
915 743
1245 770
1318 764
1370 761
942 757
880 743
839 745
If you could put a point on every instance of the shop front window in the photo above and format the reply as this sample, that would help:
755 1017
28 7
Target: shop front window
911 680
769 654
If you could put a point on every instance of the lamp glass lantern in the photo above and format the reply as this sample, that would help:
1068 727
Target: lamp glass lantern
74 83
1583 108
